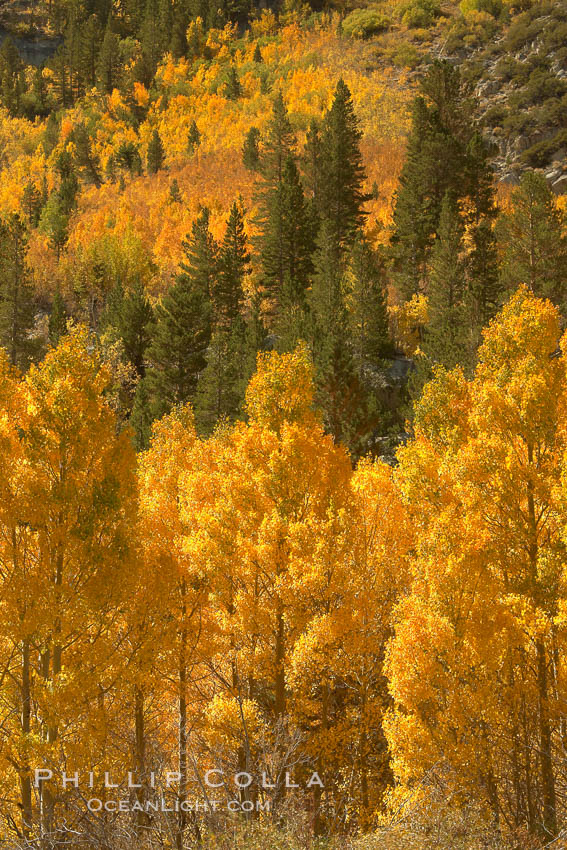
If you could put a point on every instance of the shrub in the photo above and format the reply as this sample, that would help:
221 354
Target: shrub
420 13
540 154
363 23
492 7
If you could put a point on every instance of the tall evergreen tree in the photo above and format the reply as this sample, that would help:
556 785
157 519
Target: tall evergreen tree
220 391
156 153
193 138
233 266
16 293
447 339
340 394
57 318
533 242
434 164
342 172
131 315
367 307
182 326
108 62
251 149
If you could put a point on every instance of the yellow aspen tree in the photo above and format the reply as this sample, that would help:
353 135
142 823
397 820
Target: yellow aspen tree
474 666
82 506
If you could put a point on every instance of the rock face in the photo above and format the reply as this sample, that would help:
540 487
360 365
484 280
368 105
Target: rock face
520 79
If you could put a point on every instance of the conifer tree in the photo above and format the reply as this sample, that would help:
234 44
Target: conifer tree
251 150
533 242
257 53
433 165
174 192
194 137
108 64
285 238
156 153
448 333
233 88
220 391
342 171
367 308
233 266
182 327
141 417
339 391
16 293
31 203
57 318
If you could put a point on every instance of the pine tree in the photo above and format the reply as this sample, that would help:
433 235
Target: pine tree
221 387
31 203
84 156
174 192
447 339
182 327
257 53
141 417
181 17
342 172
339 392
233 89
16 293
12 87
367 308
194 137
434 165
57 318
89 49
533 242
251 150
233 266
134 321
156 153
312 169
108 63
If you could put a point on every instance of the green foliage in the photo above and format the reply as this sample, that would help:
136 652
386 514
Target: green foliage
193 138
533 241
17 304
420 13
182 328
492 7
57 318
156 154
251 149
364 23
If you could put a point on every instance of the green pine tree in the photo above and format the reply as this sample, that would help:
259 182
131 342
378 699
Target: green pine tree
57 318
156 153
182 326
17 309
220 391
532 241
447 339
367 307
194 137
340 395
108 62
233 267
251 150
434 165
342 172
31 203
141 417
233 88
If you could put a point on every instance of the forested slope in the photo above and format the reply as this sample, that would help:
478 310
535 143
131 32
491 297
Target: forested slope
282 440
